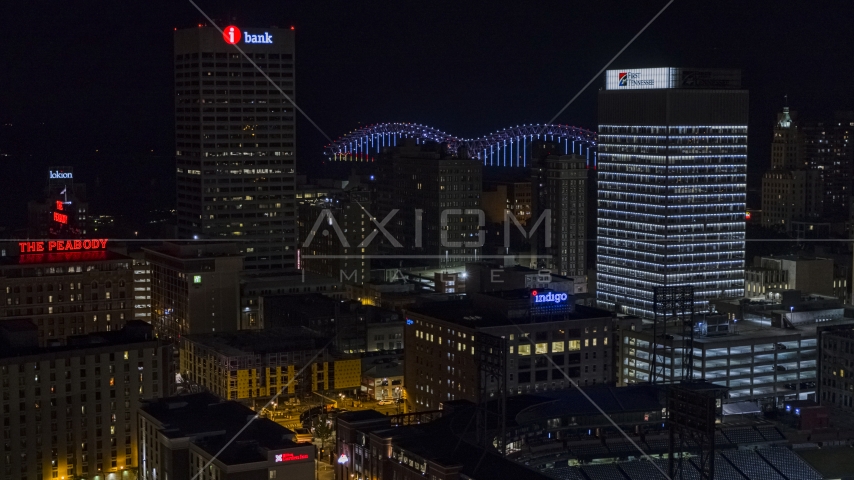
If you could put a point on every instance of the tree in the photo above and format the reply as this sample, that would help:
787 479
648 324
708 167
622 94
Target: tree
323 430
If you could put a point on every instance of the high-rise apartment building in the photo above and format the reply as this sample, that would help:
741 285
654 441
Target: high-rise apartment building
66 287
141 286
235 141
331 231
343 321
70 411
510 195
195 288
559 186
791 190
835 357
829 148
437 198
260 364
672 171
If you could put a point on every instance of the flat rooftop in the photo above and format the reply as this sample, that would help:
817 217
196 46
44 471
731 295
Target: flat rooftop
382 370
529 408
135 331
251 445
258 342
263 279
189 250
463 313
54 258
361 416
437 442
217 421
748 330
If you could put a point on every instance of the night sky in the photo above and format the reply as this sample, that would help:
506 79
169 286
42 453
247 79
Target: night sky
80 76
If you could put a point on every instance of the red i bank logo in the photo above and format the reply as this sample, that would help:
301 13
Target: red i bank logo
231 34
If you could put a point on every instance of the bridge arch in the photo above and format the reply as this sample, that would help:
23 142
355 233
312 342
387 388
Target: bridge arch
508 147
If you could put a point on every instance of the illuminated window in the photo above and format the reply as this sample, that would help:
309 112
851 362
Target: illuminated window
594 342
524 349
557 347
542 348
586 342
574 345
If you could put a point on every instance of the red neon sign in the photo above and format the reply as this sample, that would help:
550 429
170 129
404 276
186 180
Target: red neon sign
63 245
231 34
59 205
60 218
290 457
63 257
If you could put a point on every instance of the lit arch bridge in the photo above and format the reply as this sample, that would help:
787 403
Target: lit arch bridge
506 148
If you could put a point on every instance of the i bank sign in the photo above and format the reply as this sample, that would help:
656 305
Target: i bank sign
551 297
232 36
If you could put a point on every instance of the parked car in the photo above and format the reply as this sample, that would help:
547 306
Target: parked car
385 402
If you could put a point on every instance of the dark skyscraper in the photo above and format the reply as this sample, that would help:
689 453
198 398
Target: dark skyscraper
559 185
791 191
672 185
437 198
234 141
829 148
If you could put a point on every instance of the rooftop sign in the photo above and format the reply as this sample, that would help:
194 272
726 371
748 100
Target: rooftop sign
550 297
668 77
59 174
63 245
290 457
232 36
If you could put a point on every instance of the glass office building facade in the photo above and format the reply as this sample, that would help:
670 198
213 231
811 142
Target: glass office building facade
672 169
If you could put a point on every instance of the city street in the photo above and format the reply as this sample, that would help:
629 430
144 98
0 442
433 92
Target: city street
325 471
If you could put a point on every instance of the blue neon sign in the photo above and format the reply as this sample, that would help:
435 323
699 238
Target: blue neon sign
250 38
551 297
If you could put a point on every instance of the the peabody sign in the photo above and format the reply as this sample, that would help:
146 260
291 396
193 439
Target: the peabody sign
63 245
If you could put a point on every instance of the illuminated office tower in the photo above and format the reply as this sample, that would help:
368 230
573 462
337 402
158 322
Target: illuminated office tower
672 166
234 139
